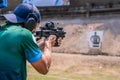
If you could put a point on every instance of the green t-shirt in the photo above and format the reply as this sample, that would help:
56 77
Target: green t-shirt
16 46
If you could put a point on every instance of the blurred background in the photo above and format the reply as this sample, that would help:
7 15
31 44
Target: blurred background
77 58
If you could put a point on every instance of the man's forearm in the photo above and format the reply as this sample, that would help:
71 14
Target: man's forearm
48 56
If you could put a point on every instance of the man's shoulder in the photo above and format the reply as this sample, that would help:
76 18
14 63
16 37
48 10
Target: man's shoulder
17 30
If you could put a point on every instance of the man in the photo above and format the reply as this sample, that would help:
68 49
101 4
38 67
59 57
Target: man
17 44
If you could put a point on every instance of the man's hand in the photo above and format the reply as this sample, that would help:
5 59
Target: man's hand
60 41
41 43
49 42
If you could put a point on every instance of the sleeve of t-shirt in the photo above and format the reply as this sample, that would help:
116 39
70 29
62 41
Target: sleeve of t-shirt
31 49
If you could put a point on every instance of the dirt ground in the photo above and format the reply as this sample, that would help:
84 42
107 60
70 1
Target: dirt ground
65 61
79 67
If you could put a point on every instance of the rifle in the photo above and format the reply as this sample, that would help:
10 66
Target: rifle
49 29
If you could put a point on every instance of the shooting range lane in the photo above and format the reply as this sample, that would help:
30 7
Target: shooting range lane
76 40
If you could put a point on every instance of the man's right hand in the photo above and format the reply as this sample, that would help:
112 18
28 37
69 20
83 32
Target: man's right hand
49 42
